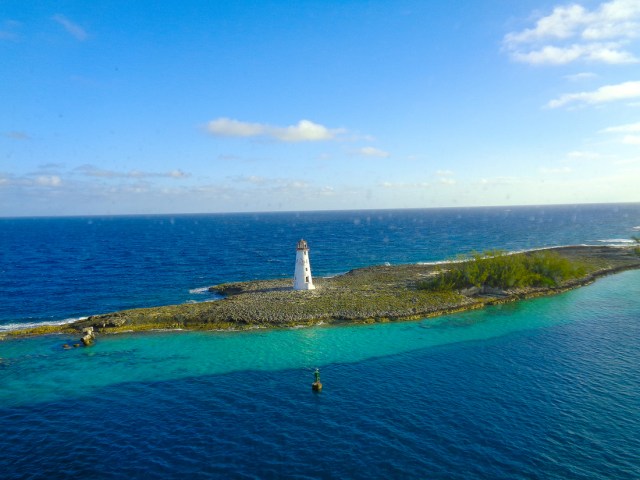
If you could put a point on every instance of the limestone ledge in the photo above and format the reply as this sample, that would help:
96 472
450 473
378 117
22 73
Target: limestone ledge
365 295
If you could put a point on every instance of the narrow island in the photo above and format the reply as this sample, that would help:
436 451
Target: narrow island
375 294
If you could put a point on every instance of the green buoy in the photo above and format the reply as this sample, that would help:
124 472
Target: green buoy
316 386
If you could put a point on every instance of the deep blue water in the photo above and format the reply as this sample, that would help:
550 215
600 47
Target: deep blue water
546 388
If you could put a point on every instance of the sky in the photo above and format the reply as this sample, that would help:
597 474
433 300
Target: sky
143 107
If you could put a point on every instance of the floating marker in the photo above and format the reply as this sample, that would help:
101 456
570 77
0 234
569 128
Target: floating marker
316 386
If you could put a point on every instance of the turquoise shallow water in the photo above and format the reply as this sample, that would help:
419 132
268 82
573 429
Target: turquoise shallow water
38 370
546 388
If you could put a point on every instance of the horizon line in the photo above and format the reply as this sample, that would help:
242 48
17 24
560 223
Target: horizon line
262 212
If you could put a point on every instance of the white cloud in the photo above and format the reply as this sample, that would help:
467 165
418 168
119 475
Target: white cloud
606 93
625 162
303 131
404 185
226 127
582 155
557 170
631 131
372 152
48 180
577 77
252 179
72 28
445 177
571 33
628 128
447 181
500 181
549 54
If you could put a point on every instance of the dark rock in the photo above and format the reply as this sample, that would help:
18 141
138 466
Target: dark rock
111 322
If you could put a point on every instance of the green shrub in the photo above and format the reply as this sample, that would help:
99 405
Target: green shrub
498 269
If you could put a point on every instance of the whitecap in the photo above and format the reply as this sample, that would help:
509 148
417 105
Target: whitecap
616 240
21 326
199 290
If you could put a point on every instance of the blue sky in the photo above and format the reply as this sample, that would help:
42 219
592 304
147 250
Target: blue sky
126 107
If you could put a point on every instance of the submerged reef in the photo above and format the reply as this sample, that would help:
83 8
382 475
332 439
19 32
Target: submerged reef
365 295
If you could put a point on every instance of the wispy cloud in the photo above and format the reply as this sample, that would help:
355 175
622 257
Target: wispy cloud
16 135
445 177
229 156
275 184
30 180
572 32
372 152
51 166
404 185
251 179
92 171
303 131
597 52
5 35
631 139
604 94
500 181
554 170
578 77
628 128
447 181
72 28
48 180
583 155
9 30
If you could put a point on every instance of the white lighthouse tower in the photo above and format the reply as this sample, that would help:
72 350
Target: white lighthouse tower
302 276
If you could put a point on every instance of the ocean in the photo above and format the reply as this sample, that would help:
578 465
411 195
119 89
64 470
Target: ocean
543 388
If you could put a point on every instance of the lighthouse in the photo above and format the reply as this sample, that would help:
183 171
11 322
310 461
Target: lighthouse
302 276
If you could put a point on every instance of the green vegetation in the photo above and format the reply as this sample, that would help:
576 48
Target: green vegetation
498 269
636 249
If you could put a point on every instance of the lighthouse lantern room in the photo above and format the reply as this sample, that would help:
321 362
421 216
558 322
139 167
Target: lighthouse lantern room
302 276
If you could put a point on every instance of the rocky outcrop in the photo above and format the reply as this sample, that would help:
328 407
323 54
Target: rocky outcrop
371 294
88 337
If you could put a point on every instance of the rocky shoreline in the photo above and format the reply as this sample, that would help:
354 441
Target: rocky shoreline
365 295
